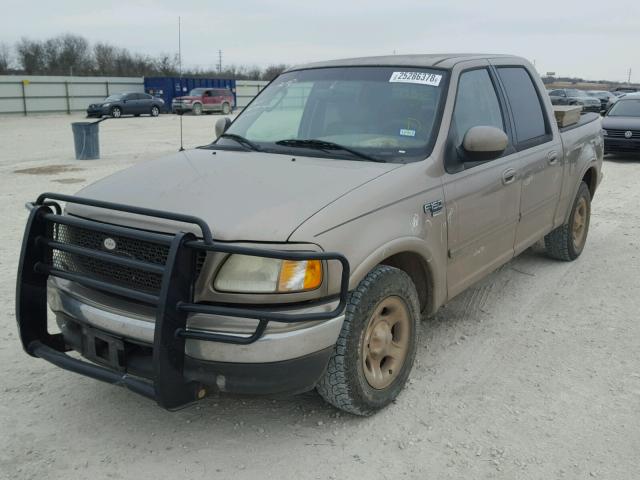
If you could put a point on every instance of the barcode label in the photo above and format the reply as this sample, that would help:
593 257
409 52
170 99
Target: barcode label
421 78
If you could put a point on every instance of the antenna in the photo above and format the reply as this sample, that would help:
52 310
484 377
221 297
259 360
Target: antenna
180 72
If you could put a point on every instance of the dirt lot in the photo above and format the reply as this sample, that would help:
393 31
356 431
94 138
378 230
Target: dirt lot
532 374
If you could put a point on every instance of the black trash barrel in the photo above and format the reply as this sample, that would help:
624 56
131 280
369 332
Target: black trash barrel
86 140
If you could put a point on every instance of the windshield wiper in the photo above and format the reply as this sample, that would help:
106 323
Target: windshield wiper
325 145
242 141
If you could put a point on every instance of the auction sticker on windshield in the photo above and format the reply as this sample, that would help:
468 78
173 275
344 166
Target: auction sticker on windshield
422 78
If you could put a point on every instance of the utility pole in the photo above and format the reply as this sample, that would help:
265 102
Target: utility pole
629 77
219 61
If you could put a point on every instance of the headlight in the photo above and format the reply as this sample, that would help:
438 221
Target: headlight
106 104
249 274
187 101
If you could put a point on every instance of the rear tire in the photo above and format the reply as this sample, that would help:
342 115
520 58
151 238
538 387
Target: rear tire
567 241
374 353
226 108
197 109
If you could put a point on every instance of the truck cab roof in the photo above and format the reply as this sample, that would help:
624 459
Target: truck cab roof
443 61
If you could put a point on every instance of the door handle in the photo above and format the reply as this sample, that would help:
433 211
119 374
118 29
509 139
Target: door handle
552 157
508 176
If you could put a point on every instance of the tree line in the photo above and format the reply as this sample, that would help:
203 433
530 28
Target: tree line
74 55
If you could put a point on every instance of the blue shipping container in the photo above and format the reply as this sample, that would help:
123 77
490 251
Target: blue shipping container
169 87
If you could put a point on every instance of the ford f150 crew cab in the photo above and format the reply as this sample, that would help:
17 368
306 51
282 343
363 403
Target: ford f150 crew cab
300 248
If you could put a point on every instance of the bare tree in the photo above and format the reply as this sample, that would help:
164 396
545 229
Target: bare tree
5 58
166 64
31 56
104 57
72 54
273 71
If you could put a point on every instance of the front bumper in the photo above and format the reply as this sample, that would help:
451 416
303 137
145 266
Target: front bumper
280 341
97 111
180 107
162 369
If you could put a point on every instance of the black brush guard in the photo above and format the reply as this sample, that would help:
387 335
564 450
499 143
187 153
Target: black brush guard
173 303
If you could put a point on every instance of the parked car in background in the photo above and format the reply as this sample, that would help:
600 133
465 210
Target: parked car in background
621 125
126 103
625 90
606 98
573 96
204 100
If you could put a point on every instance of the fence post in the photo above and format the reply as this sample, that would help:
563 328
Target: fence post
106 85
66 91
24 83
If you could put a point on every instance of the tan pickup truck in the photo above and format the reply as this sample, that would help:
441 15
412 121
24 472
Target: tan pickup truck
300 248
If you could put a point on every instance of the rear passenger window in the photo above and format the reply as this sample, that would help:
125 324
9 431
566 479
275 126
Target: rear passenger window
476 104
528 115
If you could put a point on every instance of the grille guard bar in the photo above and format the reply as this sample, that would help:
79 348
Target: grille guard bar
173 302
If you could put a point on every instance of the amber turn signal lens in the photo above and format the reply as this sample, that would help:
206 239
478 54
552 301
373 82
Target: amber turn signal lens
297 276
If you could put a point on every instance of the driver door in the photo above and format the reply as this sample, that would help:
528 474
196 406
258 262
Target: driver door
482 198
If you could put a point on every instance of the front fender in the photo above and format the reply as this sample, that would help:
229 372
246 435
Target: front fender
434 270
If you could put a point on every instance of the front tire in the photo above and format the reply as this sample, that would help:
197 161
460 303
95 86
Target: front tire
374 353
567 241
155 111
116 112
197 109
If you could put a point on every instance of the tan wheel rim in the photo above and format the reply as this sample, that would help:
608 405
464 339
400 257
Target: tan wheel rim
579 230
385 342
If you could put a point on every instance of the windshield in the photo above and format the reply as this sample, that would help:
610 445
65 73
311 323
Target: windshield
625 108
197 92
386 113
114 98
572 92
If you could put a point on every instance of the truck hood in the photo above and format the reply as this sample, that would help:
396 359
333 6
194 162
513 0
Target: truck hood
243 196
621 123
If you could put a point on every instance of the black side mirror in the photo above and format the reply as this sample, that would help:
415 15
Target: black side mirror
221 126
483 143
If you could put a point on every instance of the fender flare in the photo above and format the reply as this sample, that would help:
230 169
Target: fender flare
436 276
593 163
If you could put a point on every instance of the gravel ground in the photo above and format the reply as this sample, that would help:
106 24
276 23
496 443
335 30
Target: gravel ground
532 374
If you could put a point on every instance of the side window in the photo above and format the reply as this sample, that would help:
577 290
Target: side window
476 104
528 114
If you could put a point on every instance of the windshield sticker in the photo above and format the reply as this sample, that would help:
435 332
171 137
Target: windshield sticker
405 132
421 78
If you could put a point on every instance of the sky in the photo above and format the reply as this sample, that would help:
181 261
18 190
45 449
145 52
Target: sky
587 39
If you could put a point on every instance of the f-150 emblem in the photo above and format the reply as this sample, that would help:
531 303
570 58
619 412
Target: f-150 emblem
434 208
